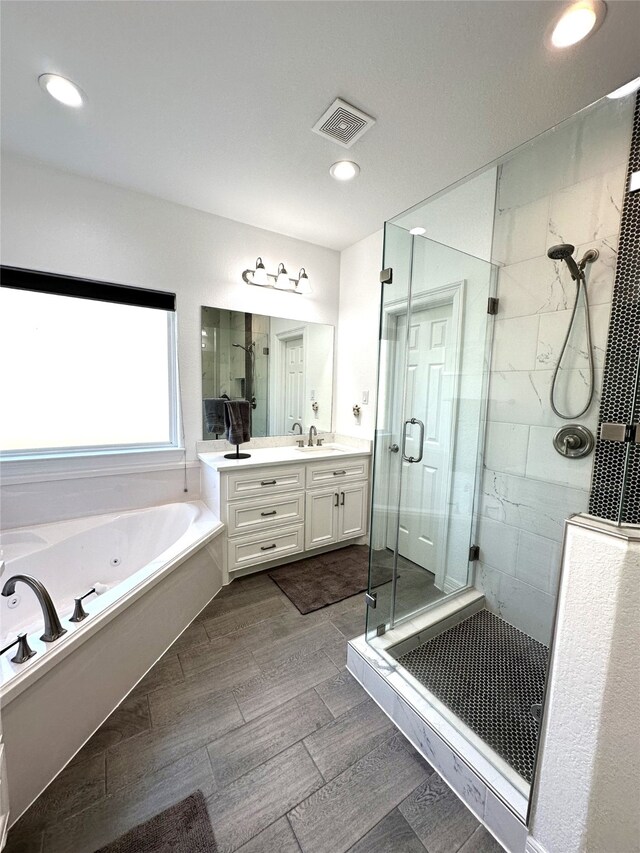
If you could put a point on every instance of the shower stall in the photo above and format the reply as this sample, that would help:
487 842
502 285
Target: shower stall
491 336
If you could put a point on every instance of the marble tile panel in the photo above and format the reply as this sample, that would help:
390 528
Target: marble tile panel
510 831
589 210
506 447
520 232
553 331
498 544
546 464
538 561
523 606
531 505
515 343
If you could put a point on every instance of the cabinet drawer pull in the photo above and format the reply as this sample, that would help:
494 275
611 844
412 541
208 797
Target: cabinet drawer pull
268 482
337 473
267 547
337 500
342 501
272 512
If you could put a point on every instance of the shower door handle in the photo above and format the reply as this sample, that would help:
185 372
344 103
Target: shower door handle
404 440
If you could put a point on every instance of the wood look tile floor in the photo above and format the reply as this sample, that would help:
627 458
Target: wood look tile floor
253 706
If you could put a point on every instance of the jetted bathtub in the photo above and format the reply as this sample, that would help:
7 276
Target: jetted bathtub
156 569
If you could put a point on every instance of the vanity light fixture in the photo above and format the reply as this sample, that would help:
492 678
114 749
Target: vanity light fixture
628 89
279 280
62 90
576 22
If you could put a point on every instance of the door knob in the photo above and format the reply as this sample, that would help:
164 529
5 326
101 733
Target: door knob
394 448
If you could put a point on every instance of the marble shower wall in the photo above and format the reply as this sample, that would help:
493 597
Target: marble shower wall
565 186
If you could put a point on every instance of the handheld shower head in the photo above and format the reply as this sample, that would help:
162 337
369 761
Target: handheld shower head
564 252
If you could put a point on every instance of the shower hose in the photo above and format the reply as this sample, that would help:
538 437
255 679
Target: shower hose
582 284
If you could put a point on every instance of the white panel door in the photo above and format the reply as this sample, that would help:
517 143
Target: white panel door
293 383
423 515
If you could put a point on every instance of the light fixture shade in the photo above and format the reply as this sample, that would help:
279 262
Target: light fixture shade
282 280
576 22
260 275
344 170
303 285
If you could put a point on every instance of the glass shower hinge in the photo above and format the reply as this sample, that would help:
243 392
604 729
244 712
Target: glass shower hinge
371 598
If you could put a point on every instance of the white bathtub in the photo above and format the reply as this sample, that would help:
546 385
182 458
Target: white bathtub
161 566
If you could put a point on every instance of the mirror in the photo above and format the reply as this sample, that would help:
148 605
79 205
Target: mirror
284 368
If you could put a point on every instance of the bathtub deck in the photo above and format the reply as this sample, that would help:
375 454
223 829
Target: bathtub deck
253 706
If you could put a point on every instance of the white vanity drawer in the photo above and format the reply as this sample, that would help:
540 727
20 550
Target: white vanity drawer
264 513
337 471
250 550
264 481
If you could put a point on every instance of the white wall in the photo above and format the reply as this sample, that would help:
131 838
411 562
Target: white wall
59 222
587 787
357 355
564 187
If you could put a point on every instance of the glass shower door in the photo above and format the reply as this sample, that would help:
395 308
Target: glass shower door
434 335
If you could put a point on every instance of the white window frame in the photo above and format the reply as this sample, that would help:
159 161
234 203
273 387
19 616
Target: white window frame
86 461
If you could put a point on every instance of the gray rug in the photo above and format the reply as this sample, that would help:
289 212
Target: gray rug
317 582
183 828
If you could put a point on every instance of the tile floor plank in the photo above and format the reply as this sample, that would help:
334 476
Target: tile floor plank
481 842
277 838
440 820
243 617
162 745
275 686
165 672
302 643
341 693
393 833
254 801
116 813
196 694
130 718
238 752
343 741
334 818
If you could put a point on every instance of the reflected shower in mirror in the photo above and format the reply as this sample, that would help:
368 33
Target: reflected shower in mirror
284 368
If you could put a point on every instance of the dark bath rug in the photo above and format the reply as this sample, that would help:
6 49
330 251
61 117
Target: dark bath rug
183 828
317 582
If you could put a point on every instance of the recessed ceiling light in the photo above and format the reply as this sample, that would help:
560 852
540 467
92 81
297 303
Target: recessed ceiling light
627 89
344 170
577 22
62 90
418 231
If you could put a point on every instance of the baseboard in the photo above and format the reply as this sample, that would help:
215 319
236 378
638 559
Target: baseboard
534 846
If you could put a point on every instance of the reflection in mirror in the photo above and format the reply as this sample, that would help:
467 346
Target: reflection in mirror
284 368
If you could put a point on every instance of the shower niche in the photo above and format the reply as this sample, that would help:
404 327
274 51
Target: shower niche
494 316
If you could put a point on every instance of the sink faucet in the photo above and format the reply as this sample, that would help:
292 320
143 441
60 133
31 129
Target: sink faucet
312 431
293 428
52 627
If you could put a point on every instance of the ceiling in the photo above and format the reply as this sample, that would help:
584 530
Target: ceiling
211 104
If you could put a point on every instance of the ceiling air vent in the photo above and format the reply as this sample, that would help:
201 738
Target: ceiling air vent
343 123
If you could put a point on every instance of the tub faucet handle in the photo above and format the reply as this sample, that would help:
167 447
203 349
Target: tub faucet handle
24 651
79 613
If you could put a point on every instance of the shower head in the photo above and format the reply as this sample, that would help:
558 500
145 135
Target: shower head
564 252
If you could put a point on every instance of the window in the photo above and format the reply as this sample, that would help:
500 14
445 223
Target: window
86 367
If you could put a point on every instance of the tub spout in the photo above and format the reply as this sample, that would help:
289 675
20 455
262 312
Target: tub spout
52 627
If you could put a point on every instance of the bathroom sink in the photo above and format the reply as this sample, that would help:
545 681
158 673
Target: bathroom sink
328 448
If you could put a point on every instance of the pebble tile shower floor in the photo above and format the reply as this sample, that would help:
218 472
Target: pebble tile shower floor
253 706
489 674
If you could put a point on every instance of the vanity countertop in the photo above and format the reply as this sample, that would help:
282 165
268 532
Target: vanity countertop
277 455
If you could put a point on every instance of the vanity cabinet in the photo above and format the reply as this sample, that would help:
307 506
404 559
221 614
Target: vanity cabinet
280 512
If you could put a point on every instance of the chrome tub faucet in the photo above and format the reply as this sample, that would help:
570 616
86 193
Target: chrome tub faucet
52 627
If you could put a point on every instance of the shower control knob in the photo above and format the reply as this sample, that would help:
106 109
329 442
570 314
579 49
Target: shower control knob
573 441
394 448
